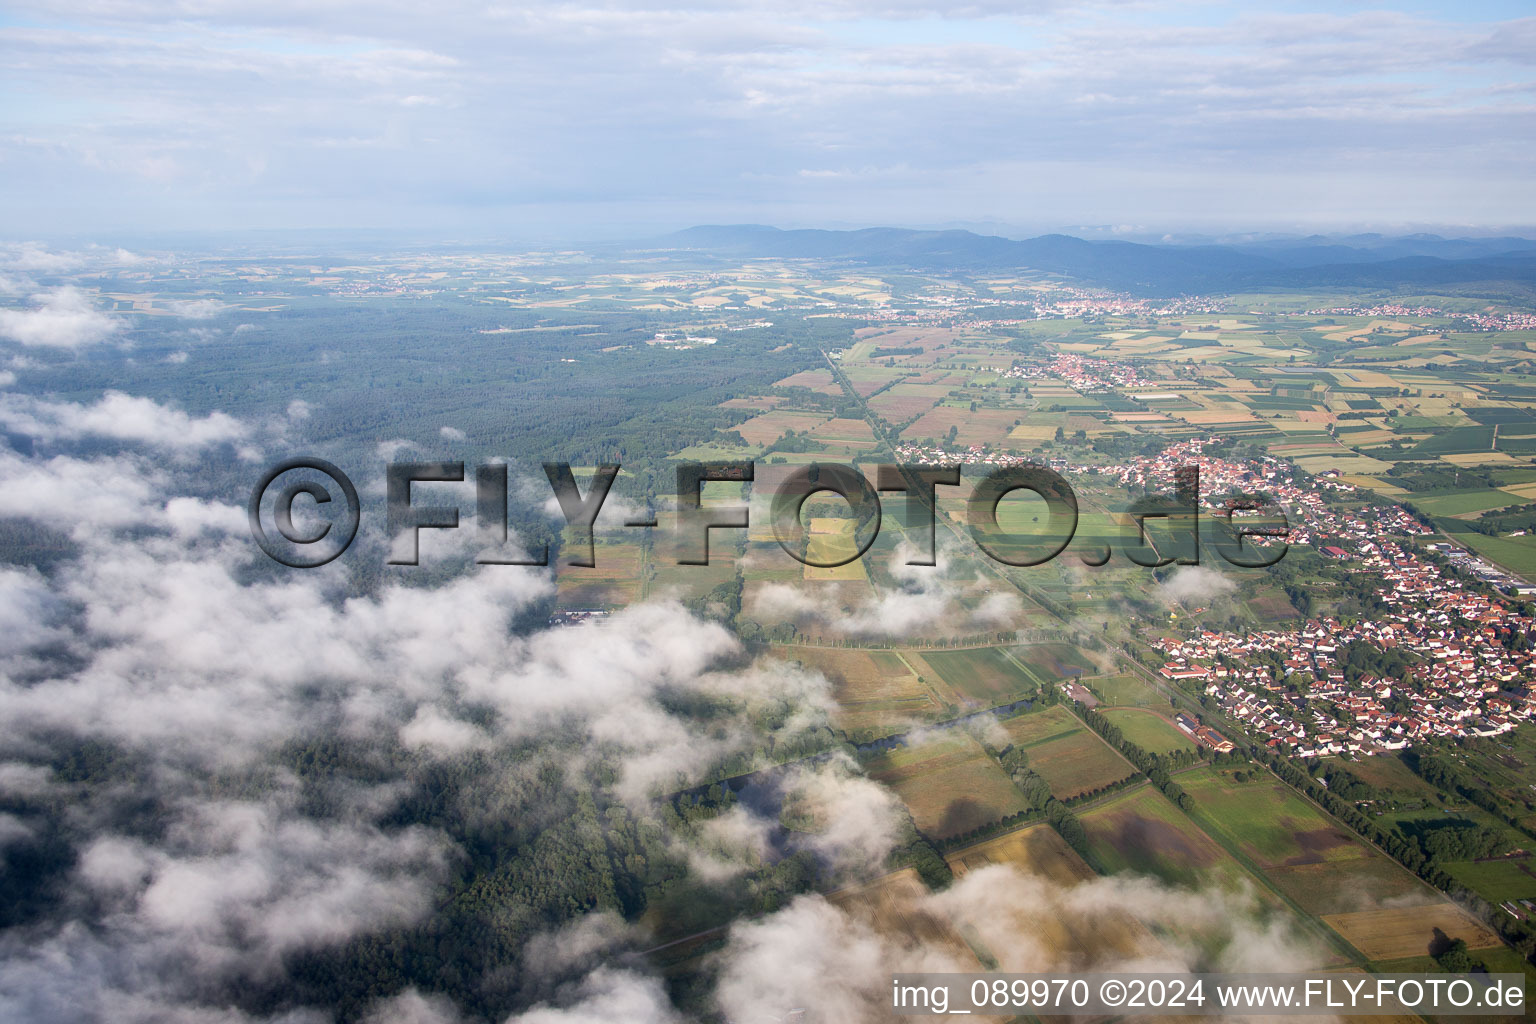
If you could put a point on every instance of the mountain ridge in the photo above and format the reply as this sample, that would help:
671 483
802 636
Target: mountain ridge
1140 267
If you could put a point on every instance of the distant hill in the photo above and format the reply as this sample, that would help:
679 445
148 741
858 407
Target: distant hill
1355 261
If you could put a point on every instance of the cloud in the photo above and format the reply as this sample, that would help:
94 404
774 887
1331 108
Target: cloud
238 885
36 258
927 600
77 495
196 309
605 996
834 958
730 844
411 1007
1195 584
223 892
61 318
376 116
119 417
858 819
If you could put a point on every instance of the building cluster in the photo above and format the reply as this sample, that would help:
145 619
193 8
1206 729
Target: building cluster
1514 321
1086 376
1392 309
1203 734
1472 664
1469 659
975 455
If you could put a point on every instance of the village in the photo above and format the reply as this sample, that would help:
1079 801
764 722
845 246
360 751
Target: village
1472 655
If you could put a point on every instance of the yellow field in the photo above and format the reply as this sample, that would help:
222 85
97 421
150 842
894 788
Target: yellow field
1408 931
949 783
860 677
832 539
1036 850
1480 459
1032 432
1202 417
1346 462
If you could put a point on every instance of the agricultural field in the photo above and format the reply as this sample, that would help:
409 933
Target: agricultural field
1077 763
1497 959
949 784
1499 879
1308 856
833 540
1051 663
1140 831
770 426
893 905
1504 765
1032 850
1392 934
875 691
1041 725
1125 691
1149 730
985 674
1272 824
1081 937
615 581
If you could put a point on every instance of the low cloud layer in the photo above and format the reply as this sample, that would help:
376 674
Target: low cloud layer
62 318
163 640
119 417
1195 584
926 600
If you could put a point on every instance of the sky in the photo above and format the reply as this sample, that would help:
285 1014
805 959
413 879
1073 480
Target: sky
592 119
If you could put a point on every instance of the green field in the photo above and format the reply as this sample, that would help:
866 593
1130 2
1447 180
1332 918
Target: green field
1497 959
1497 880
949 783
1268 820
1504 766
985 673
1054 662
1077 763
1148 731
1140 831
1035 727
1320 866
1457 441
1518 554
1461 502
1126 691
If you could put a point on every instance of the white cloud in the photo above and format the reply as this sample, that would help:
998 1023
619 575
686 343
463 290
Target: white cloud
1148 115
1195 584
411 1007
927 600
605 996
196 309
121 417
79 495
61 318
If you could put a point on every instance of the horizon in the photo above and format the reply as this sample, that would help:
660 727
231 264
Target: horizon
385 237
